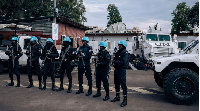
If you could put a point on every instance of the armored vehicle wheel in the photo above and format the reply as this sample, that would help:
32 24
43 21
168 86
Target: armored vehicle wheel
158 79
181 86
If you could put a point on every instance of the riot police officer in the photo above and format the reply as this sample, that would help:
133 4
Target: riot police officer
33 52
102 69
66 56
120 64
84 54
49 54
14 52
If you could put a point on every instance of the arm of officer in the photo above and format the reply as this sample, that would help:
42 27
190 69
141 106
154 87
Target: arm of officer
38 54
55 53
88 54
20 53
43 53
8 51
122 62
73 54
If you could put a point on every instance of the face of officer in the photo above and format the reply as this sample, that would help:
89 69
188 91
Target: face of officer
102 48
120 47
33 42
65 43
49 44
14 42
84 42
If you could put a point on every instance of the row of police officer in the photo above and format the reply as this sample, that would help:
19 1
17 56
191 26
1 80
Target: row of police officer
49 53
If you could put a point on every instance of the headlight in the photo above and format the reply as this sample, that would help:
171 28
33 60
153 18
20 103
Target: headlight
151 55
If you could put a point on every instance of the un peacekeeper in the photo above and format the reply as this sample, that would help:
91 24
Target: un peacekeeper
33 52
120 64
49 54
84 54
14 52
66 56
103 60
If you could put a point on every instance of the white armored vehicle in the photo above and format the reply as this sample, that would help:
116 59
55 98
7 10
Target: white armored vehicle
154 44
178 74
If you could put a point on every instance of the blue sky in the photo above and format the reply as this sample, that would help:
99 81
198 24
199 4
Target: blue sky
135 13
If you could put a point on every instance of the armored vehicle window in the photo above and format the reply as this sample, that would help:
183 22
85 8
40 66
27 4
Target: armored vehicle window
164 37
152 37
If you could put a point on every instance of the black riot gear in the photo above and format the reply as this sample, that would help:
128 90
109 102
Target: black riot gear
49 54
84 54
33 53
14 52
66 56
102 70
121 60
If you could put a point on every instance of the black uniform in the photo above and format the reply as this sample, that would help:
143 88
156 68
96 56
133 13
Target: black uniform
49 54
85 53
66 56
34 54
16 52
120 65
102 70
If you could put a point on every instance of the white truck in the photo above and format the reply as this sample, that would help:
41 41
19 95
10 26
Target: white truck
178 74
153 44
23 42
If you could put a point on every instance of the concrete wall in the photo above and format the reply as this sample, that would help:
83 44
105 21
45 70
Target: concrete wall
110 38
186 39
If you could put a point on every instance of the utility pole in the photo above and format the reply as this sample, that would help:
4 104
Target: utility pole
54 13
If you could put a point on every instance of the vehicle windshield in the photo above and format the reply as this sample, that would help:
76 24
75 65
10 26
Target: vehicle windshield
164 37
152 37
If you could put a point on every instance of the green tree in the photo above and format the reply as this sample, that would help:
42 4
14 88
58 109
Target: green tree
73 9
10 9
36 8
113 15
194 15
13 9
180 18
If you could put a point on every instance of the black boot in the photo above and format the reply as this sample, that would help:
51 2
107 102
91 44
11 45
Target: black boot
30 85
89 92
69 90
107 97
124 103
80 90
44 87
117 98
98 94
18 82
11 83
53 86
40 84
61 87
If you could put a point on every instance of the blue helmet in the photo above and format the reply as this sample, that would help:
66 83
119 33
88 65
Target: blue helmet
49 40
67 39
85 38
15 38
102 43
33 38
123 42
